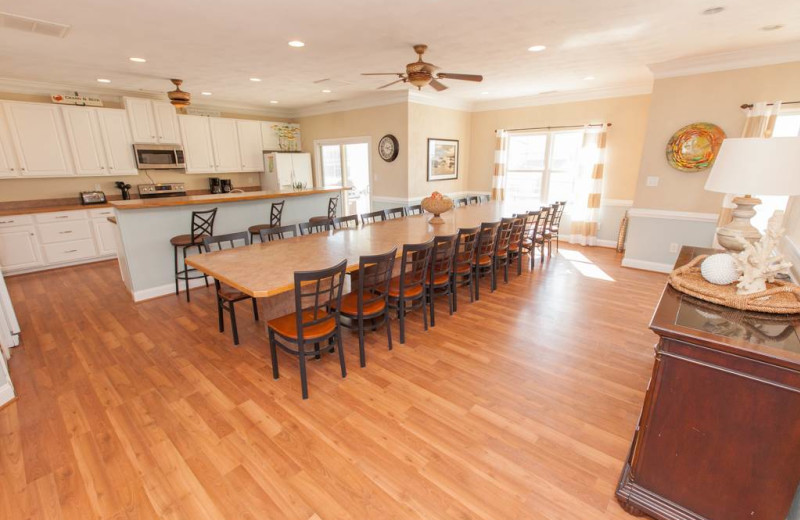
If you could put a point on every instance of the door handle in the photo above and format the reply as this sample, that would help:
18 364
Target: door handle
64 232
71 251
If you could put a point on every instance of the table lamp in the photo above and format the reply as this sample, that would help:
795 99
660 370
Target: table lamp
753 166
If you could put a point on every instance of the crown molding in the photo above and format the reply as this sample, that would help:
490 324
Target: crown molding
423 98
731 60
634 89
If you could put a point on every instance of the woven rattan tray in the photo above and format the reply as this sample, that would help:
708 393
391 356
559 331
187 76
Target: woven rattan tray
779 298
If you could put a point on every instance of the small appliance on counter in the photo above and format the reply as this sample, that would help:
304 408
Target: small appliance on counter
125 189
154 191
226 185
215 184
92 197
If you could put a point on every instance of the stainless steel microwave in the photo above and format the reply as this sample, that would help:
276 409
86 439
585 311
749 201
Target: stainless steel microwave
159 156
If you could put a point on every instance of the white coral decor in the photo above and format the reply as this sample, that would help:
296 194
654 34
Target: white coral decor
758 262
719 269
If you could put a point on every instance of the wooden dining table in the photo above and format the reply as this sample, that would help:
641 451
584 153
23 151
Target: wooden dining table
266 270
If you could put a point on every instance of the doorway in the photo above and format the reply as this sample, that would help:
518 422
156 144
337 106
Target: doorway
346 162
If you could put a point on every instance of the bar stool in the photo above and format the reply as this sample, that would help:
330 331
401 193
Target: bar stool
202 227
333 202
275 214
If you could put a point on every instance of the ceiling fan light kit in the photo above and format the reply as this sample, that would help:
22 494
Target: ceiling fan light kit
178 97
421 74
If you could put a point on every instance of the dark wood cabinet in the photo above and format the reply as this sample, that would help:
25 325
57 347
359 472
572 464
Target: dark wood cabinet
719 433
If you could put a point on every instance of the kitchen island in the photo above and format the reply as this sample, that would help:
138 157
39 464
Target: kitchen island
145 227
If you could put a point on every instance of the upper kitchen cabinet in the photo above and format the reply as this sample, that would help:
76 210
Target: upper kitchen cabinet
152 121
100 141
197 147
225 142
250 145
271 140
8 164
39 141
117 141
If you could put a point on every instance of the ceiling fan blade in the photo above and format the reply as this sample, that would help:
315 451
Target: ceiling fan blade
463 77
438 86
401 80
382 74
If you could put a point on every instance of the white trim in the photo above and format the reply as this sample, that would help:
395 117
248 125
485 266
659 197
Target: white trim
637 89
606 243
646 266
163 290
399 200
403 200
423 98
740 59
6 392
672 215
343 105
619 203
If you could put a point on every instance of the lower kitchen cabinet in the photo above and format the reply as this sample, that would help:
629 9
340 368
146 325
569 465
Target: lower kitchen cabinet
19 249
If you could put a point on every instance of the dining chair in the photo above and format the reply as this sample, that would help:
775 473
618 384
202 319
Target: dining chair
369 302
483 262
547 235
228 296
275 215
315 321
472 200
348 222
526 243
515 242
202 226
540 232
440 273
333 203
556 223
501 254
407 290
463 258
278 233
308 228
396 213
415 209
485 198
371 218
460 202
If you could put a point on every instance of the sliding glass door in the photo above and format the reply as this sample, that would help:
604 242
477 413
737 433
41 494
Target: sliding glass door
346 162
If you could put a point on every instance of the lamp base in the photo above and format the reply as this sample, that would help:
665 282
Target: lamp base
740 225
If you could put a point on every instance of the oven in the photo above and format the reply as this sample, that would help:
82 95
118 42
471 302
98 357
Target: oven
155 191
159 156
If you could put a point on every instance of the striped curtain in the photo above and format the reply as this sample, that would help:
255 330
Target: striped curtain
589 187
500 158
759 122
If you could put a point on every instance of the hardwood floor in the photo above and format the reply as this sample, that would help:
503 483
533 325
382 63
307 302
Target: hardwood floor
521 405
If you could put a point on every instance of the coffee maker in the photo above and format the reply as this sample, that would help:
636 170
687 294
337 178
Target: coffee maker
226 185
215 184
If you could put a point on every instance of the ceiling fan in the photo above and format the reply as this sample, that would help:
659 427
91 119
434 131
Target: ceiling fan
420 74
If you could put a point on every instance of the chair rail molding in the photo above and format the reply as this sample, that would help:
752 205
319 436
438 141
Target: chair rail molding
672 215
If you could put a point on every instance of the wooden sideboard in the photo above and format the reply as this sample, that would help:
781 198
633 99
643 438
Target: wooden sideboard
719 433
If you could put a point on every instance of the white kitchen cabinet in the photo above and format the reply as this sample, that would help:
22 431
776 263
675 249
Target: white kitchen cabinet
152 121
117 141
39 139
86 143
166 123
226 144
105 236
19 248
197 147
250 145
8 160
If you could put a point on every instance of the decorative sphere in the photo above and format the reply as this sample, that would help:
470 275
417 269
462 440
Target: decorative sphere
719 269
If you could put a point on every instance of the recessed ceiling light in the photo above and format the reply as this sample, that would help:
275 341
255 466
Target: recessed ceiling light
103 80
138 60
588 78
206 93
772 27
255 79
714 10
326 91
484 93
273 101
537 48
296 43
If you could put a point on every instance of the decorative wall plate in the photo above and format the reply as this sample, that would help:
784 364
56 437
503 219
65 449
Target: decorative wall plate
694 147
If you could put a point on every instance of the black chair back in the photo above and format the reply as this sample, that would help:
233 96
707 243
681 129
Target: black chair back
307 228
278 233
375 216
504 234
333 202
484 198
203 223
559 210
473 199
460 202
396 213
444 248
414 266
487 239
230 239
375 273
466 245
276 213
350 221
544 217
415 209
314 292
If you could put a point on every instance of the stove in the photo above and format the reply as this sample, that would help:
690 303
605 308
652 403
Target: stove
154 191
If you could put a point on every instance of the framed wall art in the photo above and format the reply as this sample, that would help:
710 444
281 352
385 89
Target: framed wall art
442 159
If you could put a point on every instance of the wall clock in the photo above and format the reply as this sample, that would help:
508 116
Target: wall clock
388 148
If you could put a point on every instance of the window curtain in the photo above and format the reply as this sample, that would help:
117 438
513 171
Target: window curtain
589 187
759 122
500 157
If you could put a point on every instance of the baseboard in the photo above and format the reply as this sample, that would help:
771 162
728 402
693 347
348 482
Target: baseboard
6 394
50 267
163 290
607 243
646 265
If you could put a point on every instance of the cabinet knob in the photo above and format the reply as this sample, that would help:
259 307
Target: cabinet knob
110 167
23 169
12 169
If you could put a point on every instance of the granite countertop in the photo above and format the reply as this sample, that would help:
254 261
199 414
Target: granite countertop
167 202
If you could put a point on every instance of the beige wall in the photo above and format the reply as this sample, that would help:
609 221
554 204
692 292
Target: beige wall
388 179
713 98
425 122
628 116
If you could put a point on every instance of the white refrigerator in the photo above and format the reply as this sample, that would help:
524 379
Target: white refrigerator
9 337
283 170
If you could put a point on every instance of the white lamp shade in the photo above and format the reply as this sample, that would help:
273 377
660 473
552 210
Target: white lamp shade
756 166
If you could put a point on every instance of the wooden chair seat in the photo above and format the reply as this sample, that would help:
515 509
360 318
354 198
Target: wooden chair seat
394 289
501 253
514 247
349 305
319 220
230 294
286 325
440 279
483 260
254 230
463 269
186 240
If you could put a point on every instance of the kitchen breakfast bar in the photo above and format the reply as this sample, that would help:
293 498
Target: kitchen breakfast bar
145 227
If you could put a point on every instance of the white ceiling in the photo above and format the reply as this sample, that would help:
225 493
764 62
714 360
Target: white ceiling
216 45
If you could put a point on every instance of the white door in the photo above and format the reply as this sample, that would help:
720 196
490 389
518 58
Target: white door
283 165
226 144
250 145
142 120
301 168
38 136
117 141
347 163
8 163
197 147
85 140
19 248
105 237
166 123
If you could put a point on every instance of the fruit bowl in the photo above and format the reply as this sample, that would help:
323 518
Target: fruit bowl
437 204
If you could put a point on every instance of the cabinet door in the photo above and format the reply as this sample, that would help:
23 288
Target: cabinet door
38 135
142 120
250 145
226 144
19 248
269 139
104 234
8 163
166 123
85 141
196 137
117 141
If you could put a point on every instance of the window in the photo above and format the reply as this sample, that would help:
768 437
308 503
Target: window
543 166
346 162
786 125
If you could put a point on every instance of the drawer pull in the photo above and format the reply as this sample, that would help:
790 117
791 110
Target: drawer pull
64 232
71 251
63 216
7 221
